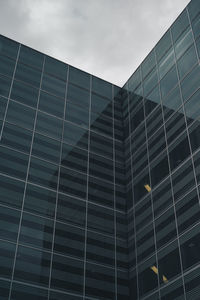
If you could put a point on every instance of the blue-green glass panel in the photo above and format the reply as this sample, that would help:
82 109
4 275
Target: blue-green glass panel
7 252
32 266
16 137
101 87
187 61
181 23
7 66
191 83
28 75
172 102
43 173
3 104
51 104
11 191
40 200
193 8
5 83
24 292
196 27
76 114
166 62
101 105
13 163
148 63
24 94
31 57
150 81
74 158
9 223
185 40
4 288
20 115
47 148
78 95
163 45
54 85
168 82
49 125
79 77
8 47
75 135
55 67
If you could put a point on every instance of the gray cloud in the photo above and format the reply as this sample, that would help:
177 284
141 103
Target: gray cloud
104 37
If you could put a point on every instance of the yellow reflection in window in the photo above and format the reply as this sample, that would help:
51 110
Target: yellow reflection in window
147 187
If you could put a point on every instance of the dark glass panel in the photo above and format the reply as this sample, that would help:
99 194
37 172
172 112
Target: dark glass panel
137 118
53 85
190 247
101 124
159 169
31 57
179 151
122 286
102 87
156 144
154 121
194 136
28 75
196 26
63 296
3 104
71 210
5 83
122 254
187 61
148 63
169 263
72 182
100 282
9 223
183 179
119 174
67 274
46 148
192 285
190 83
139 185
43 173
75 135
100 219
172 102
11 191
175 126
7 66
101 145
148 280
32 266
101 167
143 213
120 197
36 231
24 94
197 166
55 67
121 225
100 192
51 104
8 47
49 125
173 291
138 138
79 77
101 106
16 137
100 249
168 82
133 291
78 95
69 240
7 252
4 288
162 197
193 8
74 158
188 211
165 228
134 80
77 115
192 108
181 23
145 242
24 292
152 100
39 200
20 115
13 163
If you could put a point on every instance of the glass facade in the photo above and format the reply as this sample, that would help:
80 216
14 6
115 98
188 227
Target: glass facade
99 185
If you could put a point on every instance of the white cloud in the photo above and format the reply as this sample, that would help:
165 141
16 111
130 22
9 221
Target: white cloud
104 37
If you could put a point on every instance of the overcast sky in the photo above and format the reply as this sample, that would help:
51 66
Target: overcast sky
108 38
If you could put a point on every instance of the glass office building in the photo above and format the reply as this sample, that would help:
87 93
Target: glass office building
99 185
